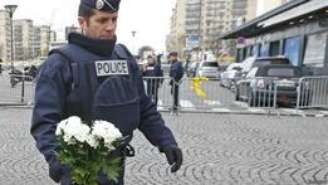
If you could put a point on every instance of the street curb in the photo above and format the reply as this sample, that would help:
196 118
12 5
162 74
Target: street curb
268 113
14 104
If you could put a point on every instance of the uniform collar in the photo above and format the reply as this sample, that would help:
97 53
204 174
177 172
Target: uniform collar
100 47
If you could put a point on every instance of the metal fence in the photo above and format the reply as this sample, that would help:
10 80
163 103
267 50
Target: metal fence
201 94
313 92
159 90
16 89
258 92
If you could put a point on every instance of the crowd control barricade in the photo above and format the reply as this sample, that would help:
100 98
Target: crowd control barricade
204 94
313 92
16 89
258 92
159 90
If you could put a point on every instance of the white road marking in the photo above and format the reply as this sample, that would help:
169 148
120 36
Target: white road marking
241 104
211 102
320 115
160 102
256 110
221 110
324 112
293 111
186 103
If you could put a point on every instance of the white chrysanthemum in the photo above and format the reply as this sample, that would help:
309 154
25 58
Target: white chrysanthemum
73 130
61 127
106 131
92 141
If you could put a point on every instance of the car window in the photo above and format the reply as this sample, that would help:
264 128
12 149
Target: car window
271 61
209 64
283 72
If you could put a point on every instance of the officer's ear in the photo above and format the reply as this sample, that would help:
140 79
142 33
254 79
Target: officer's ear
83 22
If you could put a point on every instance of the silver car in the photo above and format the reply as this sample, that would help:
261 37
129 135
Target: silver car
208 69
231 75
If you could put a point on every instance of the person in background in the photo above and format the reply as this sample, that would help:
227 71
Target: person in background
153 74
176 74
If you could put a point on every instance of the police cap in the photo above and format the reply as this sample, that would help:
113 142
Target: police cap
102 5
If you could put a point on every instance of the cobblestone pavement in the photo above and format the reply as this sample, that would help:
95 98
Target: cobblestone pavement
218 150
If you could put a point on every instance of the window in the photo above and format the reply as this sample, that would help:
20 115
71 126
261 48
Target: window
315 50
210 64
283 72
264 51
256 50
292 49
274 48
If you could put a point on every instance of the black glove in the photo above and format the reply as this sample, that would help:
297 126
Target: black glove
174 157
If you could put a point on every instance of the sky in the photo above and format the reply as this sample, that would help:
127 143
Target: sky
149 18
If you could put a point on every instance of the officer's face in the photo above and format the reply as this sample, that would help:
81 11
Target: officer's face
172 57
101 25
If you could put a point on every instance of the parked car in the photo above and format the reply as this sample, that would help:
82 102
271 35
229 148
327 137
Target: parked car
191 72
208 69
258 88
251 62
231 75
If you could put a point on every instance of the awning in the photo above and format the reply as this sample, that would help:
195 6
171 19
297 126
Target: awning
298 11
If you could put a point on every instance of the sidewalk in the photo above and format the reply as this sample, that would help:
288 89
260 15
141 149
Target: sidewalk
218 149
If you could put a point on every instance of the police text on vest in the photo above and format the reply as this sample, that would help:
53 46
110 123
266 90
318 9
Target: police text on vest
111 67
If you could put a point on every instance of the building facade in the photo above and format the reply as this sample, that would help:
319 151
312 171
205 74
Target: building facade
298 30
23 36
176 39
29 41
5 36
196 24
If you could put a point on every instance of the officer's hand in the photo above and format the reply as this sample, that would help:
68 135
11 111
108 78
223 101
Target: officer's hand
174 157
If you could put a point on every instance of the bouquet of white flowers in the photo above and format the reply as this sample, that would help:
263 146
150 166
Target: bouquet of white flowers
87 150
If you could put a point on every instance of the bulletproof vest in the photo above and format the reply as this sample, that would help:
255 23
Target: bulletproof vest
96 96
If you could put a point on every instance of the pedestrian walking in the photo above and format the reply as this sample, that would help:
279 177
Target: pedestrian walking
96 79
176 74
153 74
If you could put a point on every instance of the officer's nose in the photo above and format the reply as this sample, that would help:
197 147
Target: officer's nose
110 27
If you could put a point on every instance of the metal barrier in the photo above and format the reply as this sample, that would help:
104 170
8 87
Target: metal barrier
16 89
201 94
312 92
159 90
204 94
258 92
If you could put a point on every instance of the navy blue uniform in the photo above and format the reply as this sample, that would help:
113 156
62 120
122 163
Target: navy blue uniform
176 73
153 84
70 83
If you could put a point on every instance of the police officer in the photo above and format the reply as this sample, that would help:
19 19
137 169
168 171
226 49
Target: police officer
176 74
96 79
153 73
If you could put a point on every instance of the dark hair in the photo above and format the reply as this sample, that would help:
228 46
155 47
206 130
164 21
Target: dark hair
85 12
173 53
